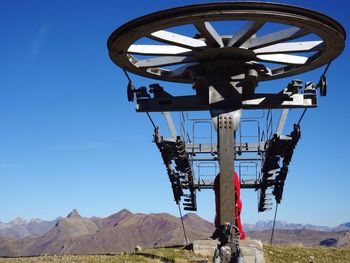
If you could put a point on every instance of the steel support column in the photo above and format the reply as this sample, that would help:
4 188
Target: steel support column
226 158
229 241
226 108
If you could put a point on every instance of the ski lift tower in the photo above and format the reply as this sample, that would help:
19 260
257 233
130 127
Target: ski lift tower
266 41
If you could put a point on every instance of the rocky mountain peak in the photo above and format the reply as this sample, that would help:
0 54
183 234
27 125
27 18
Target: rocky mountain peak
124 211
191 215
36 220
73 214
19 221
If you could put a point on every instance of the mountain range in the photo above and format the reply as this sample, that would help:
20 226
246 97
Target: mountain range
279 224
123 231
119 232
20 228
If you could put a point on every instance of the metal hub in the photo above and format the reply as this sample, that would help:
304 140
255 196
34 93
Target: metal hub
231 53
176 44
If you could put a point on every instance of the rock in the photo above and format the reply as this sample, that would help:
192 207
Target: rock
344 240
73 214
252 250
138 248
205 247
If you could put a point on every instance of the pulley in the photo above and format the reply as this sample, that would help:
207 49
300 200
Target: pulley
130 91
322 85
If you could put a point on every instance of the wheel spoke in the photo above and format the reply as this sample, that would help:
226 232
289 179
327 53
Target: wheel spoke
176 39
276 37
158 50
180 70
283 58
291 47
245 33
162 61
212 38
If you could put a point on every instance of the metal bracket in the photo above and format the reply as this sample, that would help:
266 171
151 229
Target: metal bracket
288 98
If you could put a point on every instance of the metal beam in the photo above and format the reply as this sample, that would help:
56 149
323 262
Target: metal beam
164 61
177 39
246 184
303 46
210 148
237 158
157 50
197 103
282 121
245 33
226 158
179 103
212 38
276 37
170 123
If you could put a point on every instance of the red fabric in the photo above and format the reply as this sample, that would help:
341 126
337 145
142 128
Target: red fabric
238 207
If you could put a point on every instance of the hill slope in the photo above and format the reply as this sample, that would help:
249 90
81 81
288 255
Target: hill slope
122 231
273 254
20 228
305 237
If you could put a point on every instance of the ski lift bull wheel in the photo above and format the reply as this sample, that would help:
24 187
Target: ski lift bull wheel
186 44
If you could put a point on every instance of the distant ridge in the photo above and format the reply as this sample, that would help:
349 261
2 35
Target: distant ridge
124 230
308 234
266 225
20 228
73 214
112 220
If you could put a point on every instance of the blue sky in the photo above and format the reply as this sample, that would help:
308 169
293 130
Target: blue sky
69 138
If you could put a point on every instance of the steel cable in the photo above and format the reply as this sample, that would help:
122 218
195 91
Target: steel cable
183 225
273 226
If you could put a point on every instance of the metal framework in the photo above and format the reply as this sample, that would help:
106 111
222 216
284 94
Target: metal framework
224 50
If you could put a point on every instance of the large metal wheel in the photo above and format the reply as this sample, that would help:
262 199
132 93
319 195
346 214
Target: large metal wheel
225 41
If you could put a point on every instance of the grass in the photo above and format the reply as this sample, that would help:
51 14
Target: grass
170 255
296 254
78 259
273 254
81 259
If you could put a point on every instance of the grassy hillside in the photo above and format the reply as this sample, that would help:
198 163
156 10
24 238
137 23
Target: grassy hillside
273 254
147 255
293 254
